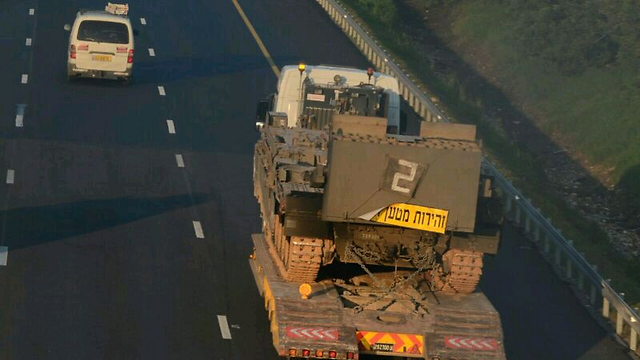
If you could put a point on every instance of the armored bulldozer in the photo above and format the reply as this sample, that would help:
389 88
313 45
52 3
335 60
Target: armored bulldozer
341 186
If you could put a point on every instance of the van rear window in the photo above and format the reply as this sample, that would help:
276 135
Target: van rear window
103 31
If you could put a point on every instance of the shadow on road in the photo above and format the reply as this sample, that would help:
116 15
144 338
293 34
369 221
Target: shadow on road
182 68
32 226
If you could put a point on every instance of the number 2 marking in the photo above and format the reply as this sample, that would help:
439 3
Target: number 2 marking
400 176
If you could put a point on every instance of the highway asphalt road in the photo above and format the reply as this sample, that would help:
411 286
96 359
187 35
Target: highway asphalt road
118 252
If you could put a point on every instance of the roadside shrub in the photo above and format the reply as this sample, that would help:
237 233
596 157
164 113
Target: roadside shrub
572 34
383 10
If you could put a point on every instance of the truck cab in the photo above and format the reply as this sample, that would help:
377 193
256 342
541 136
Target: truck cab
311 95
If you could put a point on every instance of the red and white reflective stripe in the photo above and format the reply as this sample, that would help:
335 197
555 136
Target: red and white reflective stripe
466 343
312 333
121 49
83 47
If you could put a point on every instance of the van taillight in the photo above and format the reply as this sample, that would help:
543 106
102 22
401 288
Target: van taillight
333 354
130 59
350 355
72 52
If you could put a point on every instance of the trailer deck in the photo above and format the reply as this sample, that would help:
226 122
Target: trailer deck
329 323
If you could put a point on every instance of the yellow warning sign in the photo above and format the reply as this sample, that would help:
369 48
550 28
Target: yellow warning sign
373 342
414 217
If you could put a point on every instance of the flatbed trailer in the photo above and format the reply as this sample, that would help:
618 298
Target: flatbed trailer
326 325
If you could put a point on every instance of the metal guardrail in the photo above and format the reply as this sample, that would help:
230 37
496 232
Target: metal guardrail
568 263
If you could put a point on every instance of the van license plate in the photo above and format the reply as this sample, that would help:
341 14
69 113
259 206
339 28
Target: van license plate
101 57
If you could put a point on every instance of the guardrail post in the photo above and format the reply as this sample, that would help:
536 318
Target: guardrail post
581 281
605 307
536 232
569 268
633 341
527 224
592 295
547 244
619 323
558 256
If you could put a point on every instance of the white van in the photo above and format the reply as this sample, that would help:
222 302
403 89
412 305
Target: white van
101 44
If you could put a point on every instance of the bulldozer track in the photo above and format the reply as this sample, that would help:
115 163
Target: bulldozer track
302 257
464 272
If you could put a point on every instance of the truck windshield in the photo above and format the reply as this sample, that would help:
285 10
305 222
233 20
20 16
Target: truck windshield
103 31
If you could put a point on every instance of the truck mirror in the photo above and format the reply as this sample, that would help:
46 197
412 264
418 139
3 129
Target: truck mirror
262 109
67 27
259 125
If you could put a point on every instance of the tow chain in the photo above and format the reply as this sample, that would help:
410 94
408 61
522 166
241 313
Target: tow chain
424 261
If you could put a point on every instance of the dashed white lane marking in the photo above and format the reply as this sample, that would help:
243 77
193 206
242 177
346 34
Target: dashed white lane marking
161 91
32 11
171 127
143 21
179 160
25 78
4 255
152 52
28 42
224 327
10 176
197 227
20 115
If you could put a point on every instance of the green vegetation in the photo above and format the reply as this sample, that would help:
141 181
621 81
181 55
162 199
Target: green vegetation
586 86
577 62
383 11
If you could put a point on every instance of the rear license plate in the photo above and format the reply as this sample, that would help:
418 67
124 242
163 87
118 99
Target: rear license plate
101 57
